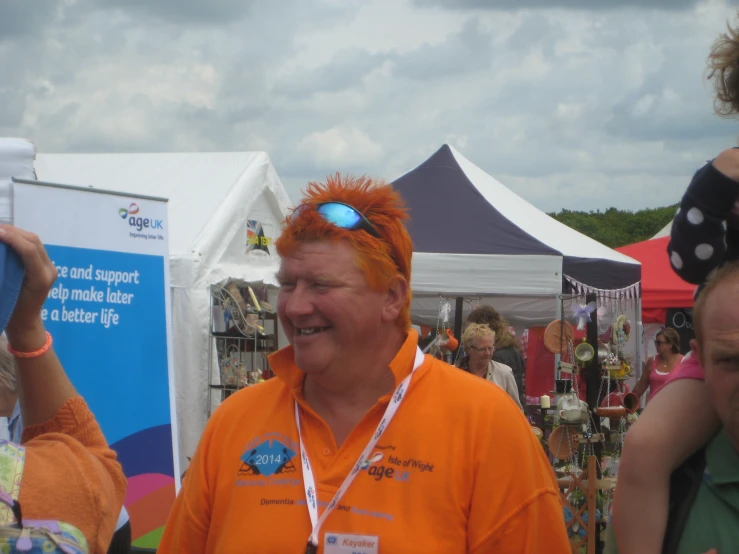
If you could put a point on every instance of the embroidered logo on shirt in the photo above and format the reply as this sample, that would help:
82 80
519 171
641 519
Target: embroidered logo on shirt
376 457
271 456
394 467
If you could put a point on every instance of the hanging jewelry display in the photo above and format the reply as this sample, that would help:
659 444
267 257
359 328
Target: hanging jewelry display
232 367
237 309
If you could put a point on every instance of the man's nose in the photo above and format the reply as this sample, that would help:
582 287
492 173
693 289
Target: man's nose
298 302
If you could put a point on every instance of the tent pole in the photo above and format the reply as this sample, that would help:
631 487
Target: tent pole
593 374
559 300
639 332
458 313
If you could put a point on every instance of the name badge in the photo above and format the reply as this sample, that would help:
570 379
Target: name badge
333 543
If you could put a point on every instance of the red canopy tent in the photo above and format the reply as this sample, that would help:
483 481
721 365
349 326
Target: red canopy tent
661 287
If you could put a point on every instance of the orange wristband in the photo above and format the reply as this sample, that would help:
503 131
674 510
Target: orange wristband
36 353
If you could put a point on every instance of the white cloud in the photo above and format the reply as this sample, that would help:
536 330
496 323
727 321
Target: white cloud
341 147
596 5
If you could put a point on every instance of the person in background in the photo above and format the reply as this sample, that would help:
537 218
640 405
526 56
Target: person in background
362 443
704 491
658 369
70 472
479 344
681 419
507 350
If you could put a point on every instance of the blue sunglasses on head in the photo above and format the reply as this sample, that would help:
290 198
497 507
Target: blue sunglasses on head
344 216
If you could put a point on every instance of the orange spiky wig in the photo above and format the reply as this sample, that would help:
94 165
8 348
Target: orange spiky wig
380 259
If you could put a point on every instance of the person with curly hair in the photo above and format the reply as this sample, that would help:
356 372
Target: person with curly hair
681 419
507 350
478 340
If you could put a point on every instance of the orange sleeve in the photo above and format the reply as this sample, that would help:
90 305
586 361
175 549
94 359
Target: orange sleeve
188 524
516 508
72 475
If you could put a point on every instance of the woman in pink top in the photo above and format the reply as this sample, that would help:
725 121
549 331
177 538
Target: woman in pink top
658 369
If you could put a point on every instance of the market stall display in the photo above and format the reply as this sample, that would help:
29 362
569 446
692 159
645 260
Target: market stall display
243 334
587 437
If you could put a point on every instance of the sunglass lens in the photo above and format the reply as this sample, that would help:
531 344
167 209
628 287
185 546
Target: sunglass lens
340 215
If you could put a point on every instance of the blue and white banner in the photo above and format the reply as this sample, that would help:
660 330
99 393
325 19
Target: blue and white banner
109 314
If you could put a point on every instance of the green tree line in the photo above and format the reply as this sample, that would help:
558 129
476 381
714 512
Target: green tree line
615 227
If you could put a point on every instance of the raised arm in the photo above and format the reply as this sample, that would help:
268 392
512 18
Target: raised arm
698 231
43 385
70 473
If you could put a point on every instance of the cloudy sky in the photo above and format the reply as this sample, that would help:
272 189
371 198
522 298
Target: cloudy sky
582 104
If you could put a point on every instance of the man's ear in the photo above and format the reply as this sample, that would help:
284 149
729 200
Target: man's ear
696 350
395 298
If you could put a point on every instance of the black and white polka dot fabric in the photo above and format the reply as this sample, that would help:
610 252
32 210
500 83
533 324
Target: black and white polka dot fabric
701 240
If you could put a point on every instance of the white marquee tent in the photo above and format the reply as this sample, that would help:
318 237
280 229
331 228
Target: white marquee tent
211 197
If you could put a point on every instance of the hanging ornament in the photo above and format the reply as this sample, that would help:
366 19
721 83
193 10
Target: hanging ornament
448 341
443 333
584 352
582 313
446 309
605 318
621 330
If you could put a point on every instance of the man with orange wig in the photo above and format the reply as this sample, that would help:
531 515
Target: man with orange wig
362 444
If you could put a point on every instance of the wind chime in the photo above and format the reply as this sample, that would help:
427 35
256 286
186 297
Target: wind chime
445 342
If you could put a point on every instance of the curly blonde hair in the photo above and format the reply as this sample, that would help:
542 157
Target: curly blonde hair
475 330
723 64
488 315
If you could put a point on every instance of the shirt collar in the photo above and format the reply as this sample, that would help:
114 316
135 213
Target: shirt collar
283 364
722 460
491 369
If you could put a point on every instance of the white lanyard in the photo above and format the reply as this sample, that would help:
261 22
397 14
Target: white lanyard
310 483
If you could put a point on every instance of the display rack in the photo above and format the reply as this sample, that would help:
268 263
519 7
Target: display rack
582 527
242 336
577 445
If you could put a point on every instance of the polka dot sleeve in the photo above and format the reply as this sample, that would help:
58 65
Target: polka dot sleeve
698 239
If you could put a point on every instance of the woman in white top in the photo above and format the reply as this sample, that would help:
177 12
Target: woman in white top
478 341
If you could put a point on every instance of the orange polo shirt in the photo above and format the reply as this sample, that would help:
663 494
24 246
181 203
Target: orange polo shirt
458 470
